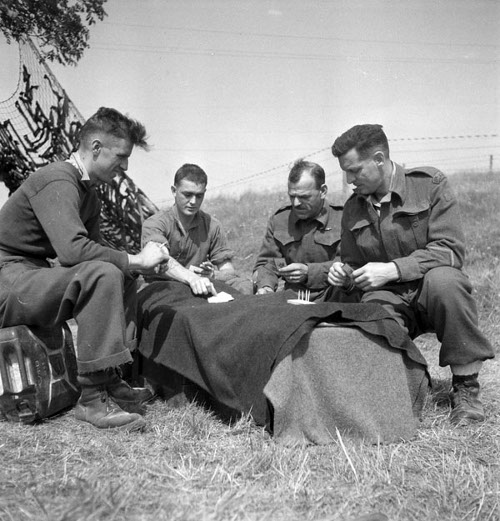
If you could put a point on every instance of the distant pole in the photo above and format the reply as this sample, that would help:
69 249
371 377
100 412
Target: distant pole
491 163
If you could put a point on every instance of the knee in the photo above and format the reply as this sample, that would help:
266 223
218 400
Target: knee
445 284
443 276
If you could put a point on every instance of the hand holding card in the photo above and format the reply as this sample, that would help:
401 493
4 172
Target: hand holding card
279 262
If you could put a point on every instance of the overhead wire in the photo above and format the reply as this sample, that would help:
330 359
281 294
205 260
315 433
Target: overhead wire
398 42
288 55
319 151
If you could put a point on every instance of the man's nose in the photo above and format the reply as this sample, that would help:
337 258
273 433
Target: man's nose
124 164
296 201
350 178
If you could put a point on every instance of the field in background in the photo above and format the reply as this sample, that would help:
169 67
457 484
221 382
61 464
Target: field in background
189 465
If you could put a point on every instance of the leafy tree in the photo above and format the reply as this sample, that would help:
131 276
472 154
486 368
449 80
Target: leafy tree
59 26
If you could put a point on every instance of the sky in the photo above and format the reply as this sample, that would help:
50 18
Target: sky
244 88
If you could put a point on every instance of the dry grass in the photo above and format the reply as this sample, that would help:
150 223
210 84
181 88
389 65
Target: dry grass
189 465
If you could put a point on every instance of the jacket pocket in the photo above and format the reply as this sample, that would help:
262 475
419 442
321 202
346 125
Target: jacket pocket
284 237
326 237
415 226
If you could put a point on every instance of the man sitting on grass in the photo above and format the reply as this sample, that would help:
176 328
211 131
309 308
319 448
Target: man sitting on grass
403 247
55 214
195 240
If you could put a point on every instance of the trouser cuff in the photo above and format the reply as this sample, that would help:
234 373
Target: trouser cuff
101 364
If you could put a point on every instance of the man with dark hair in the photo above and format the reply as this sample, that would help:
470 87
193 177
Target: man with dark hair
403 247
196 242
54 214
301 238
192 173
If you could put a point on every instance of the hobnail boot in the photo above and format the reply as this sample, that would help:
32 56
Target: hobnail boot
130 399
465 402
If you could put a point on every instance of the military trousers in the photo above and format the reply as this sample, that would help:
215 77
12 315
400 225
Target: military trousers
440 302
95 293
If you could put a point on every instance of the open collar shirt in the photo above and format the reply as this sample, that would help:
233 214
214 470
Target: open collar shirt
203 240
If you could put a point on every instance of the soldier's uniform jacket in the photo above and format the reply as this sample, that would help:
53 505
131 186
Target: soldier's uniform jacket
419 229
313 242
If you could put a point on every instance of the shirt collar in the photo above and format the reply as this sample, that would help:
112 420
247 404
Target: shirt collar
75 160
398 185
321 217
193 224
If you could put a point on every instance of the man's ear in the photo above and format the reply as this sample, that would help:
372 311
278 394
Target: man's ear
174 189
324 190
96 147
379 158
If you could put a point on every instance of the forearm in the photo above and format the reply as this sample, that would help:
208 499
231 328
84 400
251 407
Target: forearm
175 271
199 285
224 271
265 276
416 265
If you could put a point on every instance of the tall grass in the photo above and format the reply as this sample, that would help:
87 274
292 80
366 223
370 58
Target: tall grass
189 465
244 220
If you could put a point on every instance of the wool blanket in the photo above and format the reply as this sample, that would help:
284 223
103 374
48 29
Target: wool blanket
232 349
343 381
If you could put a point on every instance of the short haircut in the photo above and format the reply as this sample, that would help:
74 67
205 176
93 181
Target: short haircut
110 121
192 173
363 138
300 166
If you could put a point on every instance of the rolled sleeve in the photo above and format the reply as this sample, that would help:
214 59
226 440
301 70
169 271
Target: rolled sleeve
154 229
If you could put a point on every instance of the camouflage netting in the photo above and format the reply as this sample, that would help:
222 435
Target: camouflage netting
38 125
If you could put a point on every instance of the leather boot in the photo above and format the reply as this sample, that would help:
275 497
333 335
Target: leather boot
96 406
465 401
130 399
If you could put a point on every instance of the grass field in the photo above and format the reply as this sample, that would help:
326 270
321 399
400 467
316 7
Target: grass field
189 465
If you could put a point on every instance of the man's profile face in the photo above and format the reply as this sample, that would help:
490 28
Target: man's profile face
188 197
364 174
110 158
306 198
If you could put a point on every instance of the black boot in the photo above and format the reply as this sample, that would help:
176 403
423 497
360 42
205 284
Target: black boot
130 399
465 402
96 406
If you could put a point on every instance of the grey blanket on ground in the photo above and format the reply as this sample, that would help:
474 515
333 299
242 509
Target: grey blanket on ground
233 349
342 381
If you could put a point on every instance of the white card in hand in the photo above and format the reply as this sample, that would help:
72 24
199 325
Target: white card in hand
222 296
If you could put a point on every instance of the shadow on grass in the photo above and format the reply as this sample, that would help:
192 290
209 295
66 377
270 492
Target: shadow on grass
439 392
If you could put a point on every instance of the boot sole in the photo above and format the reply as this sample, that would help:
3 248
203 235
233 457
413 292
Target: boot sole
136 425
466 419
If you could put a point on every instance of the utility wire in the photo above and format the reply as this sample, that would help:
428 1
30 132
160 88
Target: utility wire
303 37
174 50
423 138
